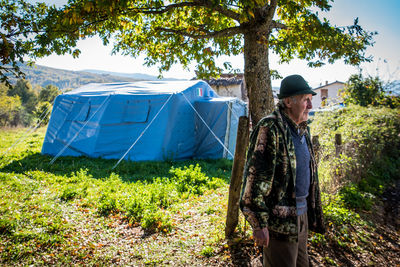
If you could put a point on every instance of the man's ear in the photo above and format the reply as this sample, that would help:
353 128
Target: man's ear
288 102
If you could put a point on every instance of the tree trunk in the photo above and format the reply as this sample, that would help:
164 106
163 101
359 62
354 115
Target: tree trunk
257 75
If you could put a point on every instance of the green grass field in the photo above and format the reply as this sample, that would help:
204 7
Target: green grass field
79 211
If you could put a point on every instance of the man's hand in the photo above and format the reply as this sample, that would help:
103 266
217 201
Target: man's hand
261 237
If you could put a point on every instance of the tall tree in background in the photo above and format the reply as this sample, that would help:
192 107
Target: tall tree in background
49 93
365 91
24 90
10 107
177 31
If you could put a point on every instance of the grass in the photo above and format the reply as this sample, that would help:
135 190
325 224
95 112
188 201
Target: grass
78 211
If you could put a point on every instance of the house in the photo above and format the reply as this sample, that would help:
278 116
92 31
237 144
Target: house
327 94
232 85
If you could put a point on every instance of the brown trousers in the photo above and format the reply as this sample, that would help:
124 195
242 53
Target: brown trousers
288 254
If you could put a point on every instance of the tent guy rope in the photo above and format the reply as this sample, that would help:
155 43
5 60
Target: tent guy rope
29 131
145 129
208 127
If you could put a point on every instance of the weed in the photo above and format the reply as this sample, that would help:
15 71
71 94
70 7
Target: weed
330 261
317 239
7 225
207 251
356 199
106 205
69 193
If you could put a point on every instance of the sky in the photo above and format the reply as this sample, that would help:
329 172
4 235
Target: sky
380 16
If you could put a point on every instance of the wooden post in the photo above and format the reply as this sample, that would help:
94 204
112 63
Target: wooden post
338 143
317 147
232 217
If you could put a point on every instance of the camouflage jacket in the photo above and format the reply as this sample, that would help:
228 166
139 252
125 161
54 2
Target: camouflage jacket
268 197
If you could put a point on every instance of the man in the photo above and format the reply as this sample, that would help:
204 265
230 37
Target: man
280 197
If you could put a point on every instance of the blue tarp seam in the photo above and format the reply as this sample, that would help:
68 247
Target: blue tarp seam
230 108
83 126
228 126
201 118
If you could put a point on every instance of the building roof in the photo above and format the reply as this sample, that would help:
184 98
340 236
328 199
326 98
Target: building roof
227 79
224 81
327 84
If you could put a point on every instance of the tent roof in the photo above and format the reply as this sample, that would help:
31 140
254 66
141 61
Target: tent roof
135 88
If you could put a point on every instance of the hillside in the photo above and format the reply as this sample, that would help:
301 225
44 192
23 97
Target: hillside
136 76
64 79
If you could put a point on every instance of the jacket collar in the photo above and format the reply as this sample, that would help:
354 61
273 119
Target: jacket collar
298 128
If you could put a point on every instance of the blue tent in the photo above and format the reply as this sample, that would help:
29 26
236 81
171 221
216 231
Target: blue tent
144 121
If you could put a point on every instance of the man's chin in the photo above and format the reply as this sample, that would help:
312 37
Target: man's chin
305 118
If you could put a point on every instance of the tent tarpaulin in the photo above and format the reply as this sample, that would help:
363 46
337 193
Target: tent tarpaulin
155 120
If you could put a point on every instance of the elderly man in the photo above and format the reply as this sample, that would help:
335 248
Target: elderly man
280 197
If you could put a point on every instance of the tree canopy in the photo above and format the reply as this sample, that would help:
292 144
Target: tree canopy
170 32
365 91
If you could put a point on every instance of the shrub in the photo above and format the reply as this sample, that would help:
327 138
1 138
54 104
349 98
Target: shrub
356 199
192 181
207 251
370 144
135 208
7 225
369 91
69 193
337 213
107 205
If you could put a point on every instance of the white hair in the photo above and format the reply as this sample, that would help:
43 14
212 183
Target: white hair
282 104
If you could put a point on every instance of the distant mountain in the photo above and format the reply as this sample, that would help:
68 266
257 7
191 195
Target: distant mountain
138 76
67 79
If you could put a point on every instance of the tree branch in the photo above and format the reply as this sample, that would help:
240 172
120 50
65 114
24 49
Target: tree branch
278 25
222 33
198 3
270 13
222 10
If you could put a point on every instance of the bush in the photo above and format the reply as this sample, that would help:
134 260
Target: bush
107 205
10 108
192 181
370 145
69 193
354 198
207 251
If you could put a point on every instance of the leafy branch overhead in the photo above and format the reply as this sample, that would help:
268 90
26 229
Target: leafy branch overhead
181 31
170 32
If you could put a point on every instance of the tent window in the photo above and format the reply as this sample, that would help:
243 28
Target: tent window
79 112
136 111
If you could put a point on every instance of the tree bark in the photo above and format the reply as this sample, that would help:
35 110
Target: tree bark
257 74
232 217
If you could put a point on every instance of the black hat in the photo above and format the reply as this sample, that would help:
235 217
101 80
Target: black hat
294 85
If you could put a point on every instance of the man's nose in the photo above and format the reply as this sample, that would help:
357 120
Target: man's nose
309 104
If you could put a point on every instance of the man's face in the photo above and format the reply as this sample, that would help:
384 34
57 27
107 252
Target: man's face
298 107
